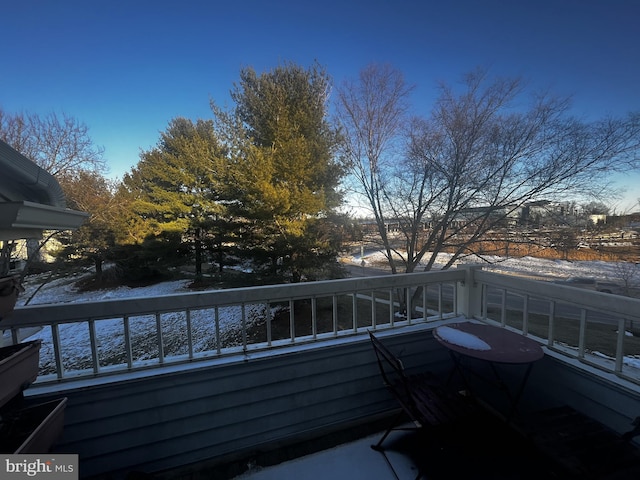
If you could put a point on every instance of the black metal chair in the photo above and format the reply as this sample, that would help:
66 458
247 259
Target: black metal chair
422 397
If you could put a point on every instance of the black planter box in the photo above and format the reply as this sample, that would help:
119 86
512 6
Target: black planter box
18 368
24 427
31 429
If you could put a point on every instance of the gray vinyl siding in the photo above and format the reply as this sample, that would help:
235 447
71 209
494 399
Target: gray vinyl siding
233 408
168 420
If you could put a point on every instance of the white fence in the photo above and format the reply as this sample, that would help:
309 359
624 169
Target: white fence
114 336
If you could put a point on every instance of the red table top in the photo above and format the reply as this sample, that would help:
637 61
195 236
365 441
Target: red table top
488 342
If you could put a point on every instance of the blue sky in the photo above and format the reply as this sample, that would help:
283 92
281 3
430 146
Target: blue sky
126 68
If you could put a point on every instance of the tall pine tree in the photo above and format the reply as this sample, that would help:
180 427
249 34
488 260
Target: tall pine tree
179 187
285 177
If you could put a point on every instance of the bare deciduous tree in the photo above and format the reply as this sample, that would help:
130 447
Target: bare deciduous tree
628 275
372 114
475 162
61 145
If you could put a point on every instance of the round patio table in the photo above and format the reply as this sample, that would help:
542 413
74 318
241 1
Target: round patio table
491 344
488 342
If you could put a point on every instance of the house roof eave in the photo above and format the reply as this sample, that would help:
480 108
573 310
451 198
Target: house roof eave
28 219
23 179
31 199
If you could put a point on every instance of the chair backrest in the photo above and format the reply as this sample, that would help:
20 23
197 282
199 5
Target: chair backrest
395 379
391 367
421 395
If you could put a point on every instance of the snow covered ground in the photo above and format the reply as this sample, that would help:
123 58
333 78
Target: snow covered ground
111 333
537 267
63 290
111 336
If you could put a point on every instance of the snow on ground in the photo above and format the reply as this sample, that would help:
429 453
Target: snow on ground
539 267
111 333
63 290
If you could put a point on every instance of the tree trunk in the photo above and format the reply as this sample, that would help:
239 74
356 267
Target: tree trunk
198 246
98 261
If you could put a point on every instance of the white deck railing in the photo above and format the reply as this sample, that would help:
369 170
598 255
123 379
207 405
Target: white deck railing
108 337
598 329
114 336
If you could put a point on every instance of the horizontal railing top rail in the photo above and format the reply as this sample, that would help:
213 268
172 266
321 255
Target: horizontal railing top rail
598 329
38 315
595 301
112 336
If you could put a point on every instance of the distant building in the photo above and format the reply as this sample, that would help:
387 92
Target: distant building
598 219
539 213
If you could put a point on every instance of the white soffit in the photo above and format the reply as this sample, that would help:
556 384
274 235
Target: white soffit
18 218
31 199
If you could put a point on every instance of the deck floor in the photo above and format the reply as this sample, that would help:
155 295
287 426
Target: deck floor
484 447
484 450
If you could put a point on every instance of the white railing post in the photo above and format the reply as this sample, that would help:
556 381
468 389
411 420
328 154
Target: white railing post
469 292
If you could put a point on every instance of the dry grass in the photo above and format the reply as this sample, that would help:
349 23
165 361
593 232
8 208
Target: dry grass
515 250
